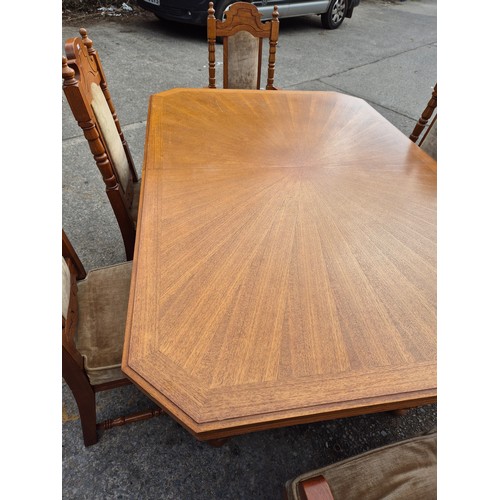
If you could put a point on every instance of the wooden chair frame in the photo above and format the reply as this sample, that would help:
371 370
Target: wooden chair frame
242 16
426 115
315 488
73 366
80 68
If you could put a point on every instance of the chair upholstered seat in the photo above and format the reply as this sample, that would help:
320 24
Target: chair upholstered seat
397 471
102 308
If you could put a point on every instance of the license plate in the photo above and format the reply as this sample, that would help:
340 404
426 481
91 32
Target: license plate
154 2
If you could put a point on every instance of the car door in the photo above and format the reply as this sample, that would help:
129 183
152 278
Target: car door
266 7
306 7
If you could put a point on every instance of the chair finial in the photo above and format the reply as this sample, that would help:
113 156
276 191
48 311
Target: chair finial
275 13
67 72
87 41
211 10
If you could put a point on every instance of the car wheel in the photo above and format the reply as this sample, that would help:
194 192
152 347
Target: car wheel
335 14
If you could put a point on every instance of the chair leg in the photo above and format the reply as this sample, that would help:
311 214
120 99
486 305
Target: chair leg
86 407
85 399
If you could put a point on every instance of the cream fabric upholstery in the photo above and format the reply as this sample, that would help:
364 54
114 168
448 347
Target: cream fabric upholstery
243 61
397 471
110 133
66 288
429 144
102 302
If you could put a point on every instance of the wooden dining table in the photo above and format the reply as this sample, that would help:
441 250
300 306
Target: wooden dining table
285 262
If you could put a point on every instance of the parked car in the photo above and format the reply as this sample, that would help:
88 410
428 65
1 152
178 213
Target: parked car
332 12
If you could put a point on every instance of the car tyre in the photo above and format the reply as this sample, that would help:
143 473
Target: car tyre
335 14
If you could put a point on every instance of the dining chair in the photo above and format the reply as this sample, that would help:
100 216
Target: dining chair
426 135
86 90
242 34
406 469
94 311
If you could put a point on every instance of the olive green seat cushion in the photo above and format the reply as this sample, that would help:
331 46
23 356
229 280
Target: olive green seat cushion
102 314
399 471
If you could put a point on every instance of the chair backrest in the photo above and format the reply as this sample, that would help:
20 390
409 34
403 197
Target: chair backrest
86 90
242 33
429 112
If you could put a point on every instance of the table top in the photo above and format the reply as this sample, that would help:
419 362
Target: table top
285 261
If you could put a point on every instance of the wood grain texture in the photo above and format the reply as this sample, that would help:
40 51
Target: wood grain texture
285 266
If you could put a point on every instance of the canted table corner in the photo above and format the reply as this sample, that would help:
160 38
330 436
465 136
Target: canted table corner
285 262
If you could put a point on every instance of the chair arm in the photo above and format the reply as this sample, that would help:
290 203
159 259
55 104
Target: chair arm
315 488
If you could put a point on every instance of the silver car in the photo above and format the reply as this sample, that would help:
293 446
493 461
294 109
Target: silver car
332 12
